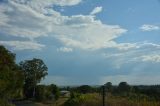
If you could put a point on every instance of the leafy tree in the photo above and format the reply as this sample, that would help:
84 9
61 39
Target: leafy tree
42 93
34 70
85 89
109 87
55 91
49 92
11 78
124 87
75 99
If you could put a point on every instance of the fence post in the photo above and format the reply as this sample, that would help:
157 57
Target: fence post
103 95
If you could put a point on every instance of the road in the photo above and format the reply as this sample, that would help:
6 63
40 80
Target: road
25 103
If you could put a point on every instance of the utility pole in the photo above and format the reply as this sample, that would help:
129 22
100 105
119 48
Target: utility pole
103 95
34 90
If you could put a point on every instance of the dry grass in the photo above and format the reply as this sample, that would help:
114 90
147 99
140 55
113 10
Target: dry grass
95 99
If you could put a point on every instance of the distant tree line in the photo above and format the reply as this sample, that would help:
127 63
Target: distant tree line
125 89
122 90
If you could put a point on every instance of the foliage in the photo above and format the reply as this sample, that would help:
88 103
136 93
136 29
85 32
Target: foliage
75 100
34 71
41 93
85 89
151 91
50 92
54 91
121 95
108 87
123 87
11 77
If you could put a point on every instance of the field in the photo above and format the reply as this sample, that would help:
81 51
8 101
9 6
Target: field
95 99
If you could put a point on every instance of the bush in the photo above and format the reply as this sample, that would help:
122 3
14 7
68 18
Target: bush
50 92
75 100
40 93
54 91
85 89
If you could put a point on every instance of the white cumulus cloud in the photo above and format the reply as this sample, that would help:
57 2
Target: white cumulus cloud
23 45
147 27
142 52
49 2
96 10
64 49
150 58
33 19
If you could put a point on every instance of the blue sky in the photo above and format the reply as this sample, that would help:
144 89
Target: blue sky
86 41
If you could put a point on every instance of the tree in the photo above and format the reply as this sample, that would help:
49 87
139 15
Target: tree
124 87
109 87
85 89
34 71
47 92
55 91
11 77
42 93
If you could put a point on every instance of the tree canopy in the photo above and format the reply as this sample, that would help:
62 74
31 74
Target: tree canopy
109 87
34 71
11 78
124 87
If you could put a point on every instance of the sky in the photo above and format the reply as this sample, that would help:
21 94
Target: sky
86 41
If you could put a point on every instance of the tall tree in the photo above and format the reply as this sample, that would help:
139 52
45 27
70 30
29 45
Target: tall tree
109 87
55 90
34 70
11 78
124 87
85 89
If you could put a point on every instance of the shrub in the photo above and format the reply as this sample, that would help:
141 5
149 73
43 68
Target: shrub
75 100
